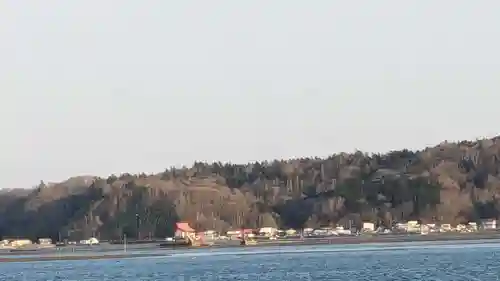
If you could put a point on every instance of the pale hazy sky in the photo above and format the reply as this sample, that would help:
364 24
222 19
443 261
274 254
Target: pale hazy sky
100 87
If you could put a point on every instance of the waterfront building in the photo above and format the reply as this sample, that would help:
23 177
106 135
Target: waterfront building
90 241
183 230
489 224
44 241
413 227
472 226
20 242
368 226
210 234
424 229
268 231
445 227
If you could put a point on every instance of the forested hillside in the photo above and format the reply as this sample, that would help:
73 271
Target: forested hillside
452 183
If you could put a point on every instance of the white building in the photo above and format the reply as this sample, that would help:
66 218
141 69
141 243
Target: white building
473 226
368 226
424 229
233 233
308 230
210 234
413 227
489 224
20 242
341 231
445 227
268 231
44 241
91 241
402 226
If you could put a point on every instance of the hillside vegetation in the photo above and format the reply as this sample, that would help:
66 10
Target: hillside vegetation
452 183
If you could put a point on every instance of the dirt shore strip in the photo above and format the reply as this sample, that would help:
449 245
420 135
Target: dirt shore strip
346 240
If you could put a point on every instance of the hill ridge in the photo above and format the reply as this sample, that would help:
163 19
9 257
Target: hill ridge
450 182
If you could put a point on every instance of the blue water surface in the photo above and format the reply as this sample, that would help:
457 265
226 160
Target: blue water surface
397 261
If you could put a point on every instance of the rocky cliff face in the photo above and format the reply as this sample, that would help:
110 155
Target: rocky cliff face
452 182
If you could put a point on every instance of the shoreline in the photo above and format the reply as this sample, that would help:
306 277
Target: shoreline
100 254
353 240
35 258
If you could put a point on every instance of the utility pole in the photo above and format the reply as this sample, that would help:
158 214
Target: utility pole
137 222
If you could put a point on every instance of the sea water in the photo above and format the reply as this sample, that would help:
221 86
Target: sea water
397 261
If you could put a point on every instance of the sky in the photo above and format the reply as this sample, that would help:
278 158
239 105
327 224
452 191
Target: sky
92 87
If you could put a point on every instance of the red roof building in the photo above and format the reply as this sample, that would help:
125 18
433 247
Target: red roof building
184 227
247 231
